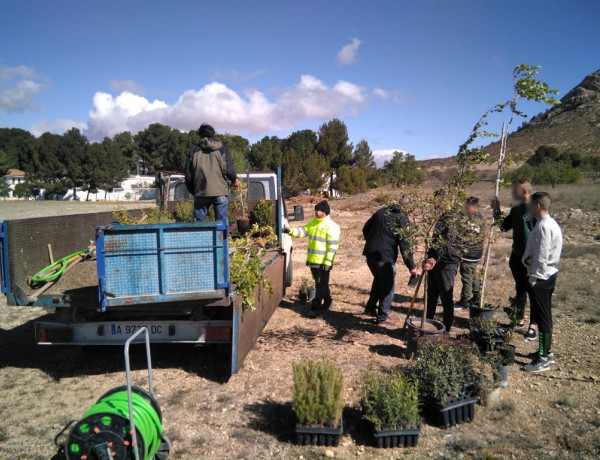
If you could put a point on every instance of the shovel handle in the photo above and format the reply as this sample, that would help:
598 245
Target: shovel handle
414 297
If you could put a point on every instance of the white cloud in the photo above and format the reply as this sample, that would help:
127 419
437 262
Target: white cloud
383 155
126 85
347 55
112 115
18 88
237 75
381 93
227 110
57 126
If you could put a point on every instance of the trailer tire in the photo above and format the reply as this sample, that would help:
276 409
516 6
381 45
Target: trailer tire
289 270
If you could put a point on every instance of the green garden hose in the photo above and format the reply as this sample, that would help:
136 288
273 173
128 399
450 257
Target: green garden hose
57 268
105 427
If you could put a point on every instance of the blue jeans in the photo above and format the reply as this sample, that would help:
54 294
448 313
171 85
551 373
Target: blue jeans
382 289
219 203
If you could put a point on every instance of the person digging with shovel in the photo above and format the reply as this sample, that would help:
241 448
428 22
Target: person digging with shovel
384 233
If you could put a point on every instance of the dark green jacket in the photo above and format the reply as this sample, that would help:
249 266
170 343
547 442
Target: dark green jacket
208 169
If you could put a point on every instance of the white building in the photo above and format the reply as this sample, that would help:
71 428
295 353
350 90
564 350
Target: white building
12 178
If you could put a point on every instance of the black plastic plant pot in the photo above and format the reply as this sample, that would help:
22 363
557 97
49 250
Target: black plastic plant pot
243 225
396 438
459 410
416 335
316 436
479 312
303 296
507 352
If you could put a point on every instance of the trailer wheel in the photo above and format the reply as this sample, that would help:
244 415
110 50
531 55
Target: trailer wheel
289 270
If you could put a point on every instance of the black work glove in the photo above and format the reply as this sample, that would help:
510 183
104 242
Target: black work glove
325 268
285 229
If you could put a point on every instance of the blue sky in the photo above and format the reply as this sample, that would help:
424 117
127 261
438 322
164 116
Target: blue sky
412 76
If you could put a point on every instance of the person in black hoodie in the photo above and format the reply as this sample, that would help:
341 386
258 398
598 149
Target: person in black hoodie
385 232
441 266
209 171
471 235
521 222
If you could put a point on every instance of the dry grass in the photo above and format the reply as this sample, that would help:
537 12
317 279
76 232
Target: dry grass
552 415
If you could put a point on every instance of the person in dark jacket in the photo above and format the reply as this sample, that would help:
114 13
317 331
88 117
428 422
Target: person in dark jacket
209 171
385 232
471 235
441 266
520 221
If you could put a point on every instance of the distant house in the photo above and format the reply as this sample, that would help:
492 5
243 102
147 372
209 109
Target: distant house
12 178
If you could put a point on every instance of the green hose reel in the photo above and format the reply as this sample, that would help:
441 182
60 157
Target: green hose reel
124 424
105 431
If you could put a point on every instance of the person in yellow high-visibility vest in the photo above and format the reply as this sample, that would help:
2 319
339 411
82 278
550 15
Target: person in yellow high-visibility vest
323 243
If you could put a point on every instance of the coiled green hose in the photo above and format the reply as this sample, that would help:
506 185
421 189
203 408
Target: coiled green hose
59 266
147 421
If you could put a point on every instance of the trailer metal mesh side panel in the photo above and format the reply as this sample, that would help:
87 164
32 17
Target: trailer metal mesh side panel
162 263
27 243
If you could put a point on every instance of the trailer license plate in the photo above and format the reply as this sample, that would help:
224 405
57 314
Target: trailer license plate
128 329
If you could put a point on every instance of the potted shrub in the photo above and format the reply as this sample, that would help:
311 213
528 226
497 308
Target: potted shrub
485 311
506 350
447 376
318 402
485 333
307 288
243 222
262 214
390 402
420 331
499 368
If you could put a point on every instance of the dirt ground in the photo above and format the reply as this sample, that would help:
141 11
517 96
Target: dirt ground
248 416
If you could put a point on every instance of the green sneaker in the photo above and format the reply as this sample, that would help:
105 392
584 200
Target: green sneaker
538 364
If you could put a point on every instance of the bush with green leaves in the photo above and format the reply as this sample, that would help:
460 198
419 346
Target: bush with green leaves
184 211
153 215
318 393
443 368
390 399
262 214
246 269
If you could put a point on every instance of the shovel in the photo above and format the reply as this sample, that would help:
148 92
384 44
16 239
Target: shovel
414 298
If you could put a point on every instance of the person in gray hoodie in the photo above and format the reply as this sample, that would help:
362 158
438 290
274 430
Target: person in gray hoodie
471 235
541 258
209 171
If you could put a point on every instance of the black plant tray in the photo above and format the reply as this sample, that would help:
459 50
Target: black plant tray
461 410
306 435
397 438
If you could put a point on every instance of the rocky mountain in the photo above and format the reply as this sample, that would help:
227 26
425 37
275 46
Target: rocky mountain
573 126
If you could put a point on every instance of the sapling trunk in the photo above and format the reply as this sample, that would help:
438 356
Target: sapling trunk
424 300
486 259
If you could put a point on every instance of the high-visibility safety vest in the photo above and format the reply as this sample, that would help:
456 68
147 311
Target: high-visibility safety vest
323 240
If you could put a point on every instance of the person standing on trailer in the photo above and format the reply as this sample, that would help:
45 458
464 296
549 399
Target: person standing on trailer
471 234
323 242
385 232
209 170
541 258
521 222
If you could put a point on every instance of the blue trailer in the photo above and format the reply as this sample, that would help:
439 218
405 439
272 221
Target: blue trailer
172 279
